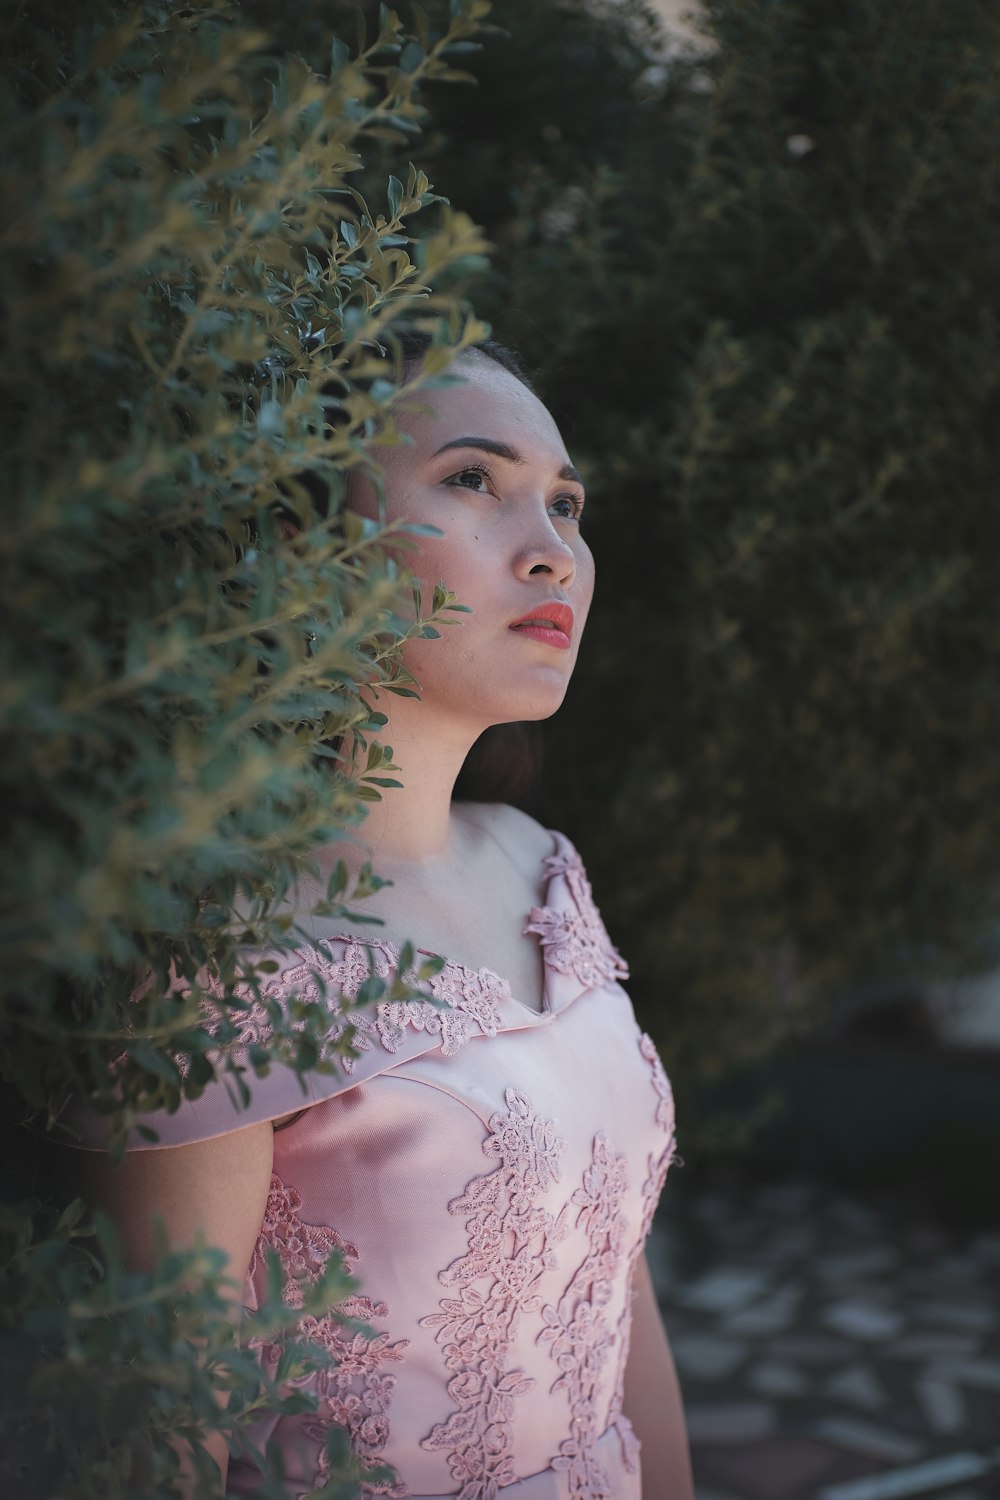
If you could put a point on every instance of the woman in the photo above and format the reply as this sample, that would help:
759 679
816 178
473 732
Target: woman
489 1164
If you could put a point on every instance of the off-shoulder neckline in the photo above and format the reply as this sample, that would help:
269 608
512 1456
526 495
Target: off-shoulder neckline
561 857
553 864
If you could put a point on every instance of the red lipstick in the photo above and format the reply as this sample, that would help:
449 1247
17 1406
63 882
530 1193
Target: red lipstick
551 624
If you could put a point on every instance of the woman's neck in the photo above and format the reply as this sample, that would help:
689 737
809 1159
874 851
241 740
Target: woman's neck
412 823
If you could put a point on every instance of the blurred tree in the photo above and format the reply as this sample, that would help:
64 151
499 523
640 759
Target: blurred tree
760 284
194 300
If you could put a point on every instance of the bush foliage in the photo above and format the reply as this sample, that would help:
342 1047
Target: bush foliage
197 305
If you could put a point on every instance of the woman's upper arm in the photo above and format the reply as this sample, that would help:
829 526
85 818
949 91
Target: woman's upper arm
217 1188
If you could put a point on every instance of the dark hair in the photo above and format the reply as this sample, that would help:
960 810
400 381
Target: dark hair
413 346
504 764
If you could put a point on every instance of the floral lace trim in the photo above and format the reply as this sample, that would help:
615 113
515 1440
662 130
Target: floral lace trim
661 1083
576 942
576 1328
471 1001
354 1392
473 996
656 1170
511 1245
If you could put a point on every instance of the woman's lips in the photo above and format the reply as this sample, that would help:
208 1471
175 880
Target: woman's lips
550 623
547 633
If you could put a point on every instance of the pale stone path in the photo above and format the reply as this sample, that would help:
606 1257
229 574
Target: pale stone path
829 1347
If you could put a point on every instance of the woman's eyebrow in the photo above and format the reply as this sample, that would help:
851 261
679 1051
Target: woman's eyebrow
503 450
485 445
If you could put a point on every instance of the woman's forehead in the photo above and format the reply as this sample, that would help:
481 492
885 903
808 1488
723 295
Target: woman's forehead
489 402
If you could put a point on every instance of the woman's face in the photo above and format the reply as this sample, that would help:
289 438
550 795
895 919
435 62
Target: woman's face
488 468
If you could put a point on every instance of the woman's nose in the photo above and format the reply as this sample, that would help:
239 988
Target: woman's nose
546 552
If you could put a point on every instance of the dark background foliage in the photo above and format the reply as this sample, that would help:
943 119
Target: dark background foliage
760 286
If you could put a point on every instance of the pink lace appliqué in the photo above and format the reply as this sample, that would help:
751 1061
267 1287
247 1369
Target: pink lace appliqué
576 942
470 1000
661 1083
511 1240
355 1391
576 1328
657 1165
472 997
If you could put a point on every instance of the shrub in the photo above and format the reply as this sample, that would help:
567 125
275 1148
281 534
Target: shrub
195 293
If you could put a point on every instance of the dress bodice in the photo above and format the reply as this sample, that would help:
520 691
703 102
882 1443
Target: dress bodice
490 1173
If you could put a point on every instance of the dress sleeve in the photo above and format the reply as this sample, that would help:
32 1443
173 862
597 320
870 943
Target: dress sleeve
385 1034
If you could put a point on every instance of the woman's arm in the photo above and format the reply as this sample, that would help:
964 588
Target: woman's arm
217 1188
652 1399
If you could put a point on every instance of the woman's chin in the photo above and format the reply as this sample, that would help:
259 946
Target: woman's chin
529 707
527 695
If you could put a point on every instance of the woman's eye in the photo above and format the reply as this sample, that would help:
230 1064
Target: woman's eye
469 479
570 507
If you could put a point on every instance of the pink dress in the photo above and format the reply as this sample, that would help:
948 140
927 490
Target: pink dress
490 1174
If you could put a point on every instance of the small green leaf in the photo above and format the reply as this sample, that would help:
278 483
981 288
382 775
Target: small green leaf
71 1215
410 58
370 990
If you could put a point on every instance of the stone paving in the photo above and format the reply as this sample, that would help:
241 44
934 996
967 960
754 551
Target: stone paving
830 1347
